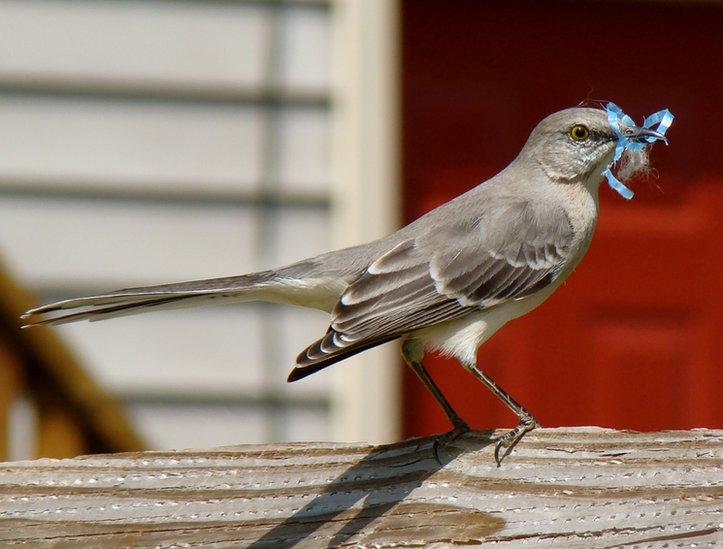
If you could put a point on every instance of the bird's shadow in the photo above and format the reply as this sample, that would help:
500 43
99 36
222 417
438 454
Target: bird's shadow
404 466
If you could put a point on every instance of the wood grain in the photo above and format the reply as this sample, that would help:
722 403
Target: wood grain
572 487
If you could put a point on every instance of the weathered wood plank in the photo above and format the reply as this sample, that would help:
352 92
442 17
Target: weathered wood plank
580 487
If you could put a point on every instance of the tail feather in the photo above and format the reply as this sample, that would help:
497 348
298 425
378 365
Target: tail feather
329 350
131 306
136 300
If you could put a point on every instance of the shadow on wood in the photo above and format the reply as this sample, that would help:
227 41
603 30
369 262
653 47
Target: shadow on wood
382 497
581 487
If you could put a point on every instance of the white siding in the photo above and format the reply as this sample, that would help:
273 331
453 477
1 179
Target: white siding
130 144
213 351
305 58
153 42
94 243
304 150
150 141
174 427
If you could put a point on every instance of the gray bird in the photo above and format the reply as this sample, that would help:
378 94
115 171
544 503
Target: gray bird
445 282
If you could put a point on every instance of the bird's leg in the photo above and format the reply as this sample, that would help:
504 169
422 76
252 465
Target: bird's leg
527 423
459 426
457 422
416 365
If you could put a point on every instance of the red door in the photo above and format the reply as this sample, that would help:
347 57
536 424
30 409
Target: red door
633 339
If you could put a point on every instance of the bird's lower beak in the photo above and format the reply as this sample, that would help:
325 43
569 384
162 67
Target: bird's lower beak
645 135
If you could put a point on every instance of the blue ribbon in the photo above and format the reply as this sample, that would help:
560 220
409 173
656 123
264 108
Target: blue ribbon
663 119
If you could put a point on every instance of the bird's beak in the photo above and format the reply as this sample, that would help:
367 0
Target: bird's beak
644 135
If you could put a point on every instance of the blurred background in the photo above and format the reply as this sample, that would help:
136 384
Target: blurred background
149 141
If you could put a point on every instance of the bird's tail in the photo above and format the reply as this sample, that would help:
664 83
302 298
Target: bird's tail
266 286
329 350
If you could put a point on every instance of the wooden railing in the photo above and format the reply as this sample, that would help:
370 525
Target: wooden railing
49 404
582 487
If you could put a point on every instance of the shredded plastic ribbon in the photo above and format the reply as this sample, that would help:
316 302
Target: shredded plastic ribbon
663 119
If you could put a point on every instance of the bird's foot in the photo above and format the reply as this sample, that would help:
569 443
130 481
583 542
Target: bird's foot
509 440
460 428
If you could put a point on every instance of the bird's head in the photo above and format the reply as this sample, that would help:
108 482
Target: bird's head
576 145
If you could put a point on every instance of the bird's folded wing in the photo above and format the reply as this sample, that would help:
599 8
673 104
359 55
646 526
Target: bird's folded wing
509 253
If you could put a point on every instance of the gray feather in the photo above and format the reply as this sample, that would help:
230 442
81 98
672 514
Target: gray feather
508 252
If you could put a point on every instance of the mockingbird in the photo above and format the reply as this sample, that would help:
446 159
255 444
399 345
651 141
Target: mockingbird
445 282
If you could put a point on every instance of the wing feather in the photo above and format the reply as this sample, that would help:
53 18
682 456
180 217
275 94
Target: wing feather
446 273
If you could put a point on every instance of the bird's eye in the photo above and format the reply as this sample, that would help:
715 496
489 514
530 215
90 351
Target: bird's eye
579 132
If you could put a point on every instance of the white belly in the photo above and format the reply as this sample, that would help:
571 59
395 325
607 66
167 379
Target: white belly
462 337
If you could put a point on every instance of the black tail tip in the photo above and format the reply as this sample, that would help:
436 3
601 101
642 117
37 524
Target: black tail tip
295 375
300 372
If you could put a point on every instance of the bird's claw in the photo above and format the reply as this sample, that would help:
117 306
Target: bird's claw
509 440
460 428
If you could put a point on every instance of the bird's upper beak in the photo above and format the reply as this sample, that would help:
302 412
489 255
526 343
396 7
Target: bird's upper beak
644 135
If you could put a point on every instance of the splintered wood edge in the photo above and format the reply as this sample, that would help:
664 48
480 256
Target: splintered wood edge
568 487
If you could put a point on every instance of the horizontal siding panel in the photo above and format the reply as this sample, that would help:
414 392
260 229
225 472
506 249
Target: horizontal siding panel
85 243
181 43
305 50
306 426
298 328
304 150
174 427
299 234
144 145
165 351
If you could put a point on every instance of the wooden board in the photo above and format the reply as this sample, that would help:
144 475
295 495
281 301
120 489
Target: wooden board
580 487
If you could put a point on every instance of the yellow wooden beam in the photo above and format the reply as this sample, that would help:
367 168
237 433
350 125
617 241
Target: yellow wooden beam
50 364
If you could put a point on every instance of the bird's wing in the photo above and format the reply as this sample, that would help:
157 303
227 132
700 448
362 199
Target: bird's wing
508 253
